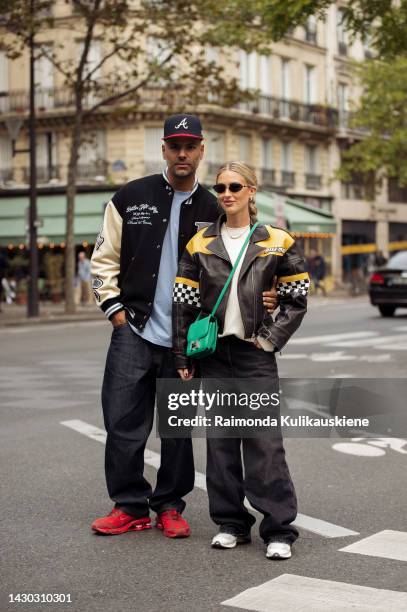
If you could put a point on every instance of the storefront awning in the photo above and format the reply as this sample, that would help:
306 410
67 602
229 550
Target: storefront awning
89 209
304 220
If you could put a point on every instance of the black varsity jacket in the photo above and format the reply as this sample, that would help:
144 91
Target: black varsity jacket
126 257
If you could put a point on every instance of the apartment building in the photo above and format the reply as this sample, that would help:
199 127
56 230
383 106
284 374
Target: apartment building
293 135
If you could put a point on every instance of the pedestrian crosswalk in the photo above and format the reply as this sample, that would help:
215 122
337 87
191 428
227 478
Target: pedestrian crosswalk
349 346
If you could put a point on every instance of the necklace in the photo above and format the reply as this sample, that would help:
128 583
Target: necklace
235 237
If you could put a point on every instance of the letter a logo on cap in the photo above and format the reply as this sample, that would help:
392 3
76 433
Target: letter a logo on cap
183 124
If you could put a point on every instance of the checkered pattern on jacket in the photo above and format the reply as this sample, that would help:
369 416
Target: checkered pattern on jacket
186 294
295 287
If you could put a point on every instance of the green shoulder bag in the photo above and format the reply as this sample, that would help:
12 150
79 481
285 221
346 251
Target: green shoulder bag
203 333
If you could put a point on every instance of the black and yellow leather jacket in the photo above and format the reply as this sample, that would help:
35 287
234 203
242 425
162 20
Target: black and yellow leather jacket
205 266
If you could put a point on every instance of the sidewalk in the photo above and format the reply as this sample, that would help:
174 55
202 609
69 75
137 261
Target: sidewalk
16 314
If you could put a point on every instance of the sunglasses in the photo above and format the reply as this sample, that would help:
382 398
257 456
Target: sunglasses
233 187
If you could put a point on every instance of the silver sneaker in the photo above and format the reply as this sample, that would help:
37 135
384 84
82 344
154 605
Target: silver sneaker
278 550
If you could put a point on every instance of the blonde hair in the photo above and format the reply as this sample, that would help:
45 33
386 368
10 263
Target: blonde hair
249 176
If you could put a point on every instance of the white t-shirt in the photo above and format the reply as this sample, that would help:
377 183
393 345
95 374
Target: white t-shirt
233 239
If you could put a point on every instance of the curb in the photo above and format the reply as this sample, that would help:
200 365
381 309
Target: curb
32 322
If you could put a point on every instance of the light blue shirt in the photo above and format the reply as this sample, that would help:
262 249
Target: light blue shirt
158 329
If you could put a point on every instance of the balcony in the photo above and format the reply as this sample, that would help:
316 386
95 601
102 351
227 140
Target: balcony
313 181
6 175
95 171
289 110
268 177
287 178
45 174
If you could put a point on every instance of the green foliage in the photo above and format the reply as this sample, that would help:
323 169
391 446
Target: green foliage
382 120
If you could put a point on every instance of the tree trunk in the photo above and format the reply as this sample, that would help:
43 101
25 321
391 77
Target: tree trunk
70 259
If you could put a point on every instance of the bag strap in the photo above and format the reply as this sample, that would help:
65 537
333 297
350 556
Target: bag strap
229 279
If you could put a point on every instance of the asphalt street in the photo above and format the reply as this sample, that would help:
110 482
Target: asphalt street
52 486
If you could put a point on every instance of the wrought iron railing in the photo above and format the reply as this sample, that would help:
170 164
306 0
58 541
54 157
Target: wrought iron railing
268 177
287 178
313 181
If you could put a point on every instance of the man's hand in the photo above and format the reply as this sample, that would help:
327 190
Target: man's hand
186 374
119 318
270 298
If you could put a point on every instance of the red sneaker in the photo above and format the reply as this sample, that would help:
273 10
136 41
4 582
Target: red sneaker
172 524
119 522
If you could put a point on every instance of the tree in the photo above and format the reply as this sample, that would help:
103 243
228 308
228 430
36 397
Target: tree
381 116
179 30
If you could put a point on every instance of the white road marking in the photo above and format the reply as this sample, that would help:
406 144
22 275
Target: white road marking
41 327
359 450
293 593
294 356
388 544
370 341
335 356
323 528
332 338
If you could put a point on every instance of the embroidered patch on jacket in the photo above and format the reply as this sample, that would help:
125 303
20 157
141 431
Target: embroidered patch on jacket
295 287
185 294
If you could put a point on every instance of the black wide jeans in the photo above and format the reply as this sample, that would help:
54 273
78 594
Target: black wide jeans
128 399
264 477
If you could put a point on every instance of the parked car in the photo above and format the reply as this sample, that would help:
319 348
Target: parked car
388 285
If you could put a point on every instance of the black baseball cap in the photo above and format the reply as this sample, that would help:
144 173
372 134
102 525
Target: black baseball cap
182 125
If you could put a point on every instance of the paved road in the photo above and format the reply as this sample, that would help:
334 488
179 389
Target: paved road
52 487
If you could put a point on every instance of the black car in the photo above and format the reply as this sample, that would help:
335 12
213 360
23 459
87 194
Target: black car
388 285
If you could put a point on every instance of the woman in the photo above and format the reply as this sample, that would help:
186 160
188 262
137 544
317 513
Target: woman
248 338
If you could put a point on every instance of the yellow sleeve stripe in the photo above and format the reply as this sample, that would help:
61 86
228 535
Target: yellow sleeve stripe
293 277
187 281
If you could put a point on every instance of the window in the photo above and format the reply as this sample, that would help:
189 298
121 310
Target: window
309 84
312 175
266 153
265 75
6 159
46 157
92 156
341 33
248 70
286 156
214 151
287 175
311 30
4 83
153 161
285 79
245 148
267 170
44 78
343 104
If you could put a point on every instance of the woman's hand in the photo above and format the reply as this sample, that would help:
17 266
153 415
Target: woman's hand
270 298
257 344
185 373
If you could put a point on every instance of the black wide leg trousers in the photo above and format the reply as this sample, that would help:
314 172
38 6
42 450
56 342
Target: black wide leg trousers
263 475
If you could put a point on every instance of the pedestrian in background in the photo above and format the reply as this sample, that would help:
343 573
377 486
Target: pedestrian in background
317 271
85 278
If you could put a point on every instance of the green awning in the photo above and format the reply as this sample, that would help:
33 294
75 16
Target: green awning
89 210
302 218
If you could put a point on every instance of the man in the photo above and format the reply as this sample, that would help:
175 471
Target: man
146 227
85 278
